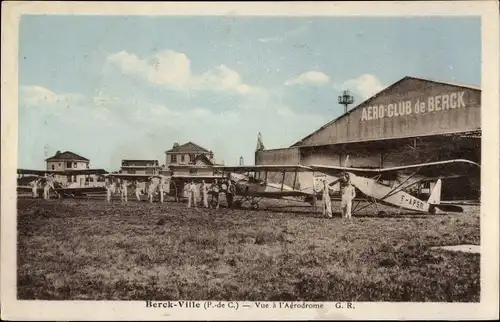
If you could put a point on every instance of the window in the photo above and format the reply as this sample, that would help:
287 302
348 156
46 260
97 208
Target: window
68 164
192 157
70 179
193 171
182 158
131 171
173 158
53 167
74 165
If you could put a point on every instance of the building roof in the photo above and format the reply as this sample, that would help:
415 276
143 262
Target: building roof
187 147
299 143
66 155
203 158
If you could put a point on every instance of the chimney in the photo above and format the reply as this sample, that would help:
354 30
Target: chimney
176 145
211 155
58 152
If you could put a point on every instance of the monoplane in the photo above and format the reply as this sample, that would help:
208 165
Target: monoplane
393 186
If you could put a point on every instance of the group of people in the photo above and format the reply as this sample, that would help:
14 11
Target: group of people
193 191
120 186
215 189
348 193
46 182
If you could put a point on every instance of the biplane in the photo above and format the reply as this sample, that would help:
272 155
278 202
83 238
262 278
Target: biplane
90 180
254 183
396 186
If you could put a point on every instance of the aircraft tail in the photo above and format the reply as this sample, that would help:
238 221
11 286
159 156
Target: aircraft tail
435 197
435 201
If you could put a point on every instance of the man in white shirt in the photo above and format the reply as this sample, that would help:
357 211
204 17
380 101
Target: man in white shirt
34 188
326 201
137 190
348 195
108 186
204 192
192 194
124 192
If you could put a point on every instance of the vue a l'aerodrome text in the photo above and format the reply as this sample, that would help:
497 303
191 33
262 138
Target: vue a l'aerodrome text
235 305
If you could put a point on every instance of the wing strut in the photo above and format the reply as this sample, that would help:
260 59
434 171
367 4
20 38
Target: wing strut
394 190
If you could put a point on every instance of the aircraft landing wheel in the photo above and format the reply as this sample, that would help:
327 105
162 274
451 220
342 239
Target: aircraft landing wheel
382 214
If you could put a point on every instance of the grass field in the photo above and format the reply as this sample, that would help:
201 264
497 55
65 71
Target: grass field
91 250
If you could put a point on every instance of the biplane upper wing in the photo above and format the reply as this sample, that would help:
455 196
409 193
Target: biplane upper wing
195 177
270 168
131 176
430 170
61 172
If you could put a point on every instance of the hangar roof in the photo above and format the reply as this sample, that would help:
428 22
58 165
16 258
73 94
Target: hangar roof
347 127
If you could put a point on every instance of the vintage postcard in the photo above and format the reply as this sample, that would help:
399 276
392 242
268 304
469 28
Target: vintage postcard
271 160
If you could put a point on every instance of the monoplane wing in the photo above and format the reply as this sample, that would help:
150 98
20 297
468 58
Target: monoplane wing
270 168
431 170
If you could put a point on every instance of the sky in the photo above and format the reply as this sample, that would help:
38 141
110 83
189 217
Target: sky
129 87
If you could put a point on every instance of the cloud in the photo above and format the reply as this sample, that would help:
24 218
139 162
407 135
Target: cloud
38 96
310 77
365 85
173 70
69 107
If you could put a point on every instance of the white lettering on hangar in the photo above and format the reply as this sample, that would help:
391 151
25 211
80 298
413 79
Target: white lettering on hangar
441 102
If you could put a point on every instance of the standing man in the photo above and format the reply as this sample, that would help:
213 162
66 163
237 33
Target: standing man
326 201
108 186
46 188
215 194
348 194
34 188
137 190
162 182
204 191
231 191
151 190
124 192
192 195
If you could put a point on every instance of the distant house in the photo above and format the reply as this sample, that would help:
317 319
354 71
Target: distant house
140 167
189 159
63 161
187 154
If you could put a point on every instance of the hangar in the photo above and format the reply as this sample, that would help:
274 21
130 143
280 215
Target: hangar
412 121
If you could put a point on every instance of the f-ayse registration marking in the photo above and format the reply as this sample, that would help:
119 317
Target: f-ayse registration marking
436 103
